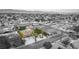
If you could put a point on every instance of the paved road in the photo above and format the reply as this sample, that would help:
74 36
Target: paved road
39 44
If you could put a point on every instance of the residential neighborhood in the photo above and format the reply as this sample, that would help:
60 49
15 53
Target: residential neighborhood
38 30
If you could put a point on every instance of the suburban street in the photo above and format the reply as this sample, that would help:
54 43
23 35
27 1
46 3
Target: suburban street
31 29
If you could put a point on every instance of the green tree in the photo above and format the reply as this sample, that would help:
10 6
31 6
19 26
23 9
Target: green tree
45 34
66 42
36 32
37 20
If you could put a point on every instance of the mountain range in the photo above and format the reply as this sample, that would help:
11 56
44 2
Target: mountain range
53 11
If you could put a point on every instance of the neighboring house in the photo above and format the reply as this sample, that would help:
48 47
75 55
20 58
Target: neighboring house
76 43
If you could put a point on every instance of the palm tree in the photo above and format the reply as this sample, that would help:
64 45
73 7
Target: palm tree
35 36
